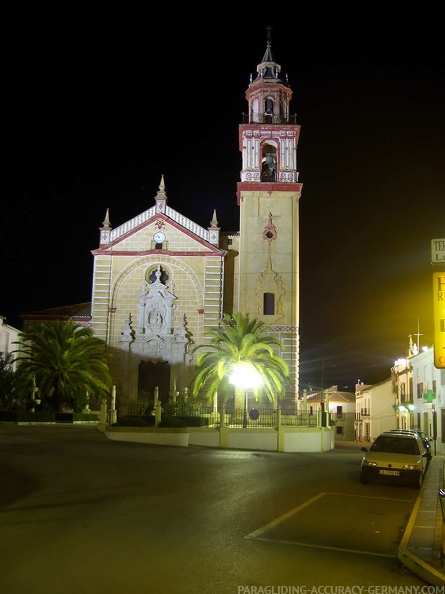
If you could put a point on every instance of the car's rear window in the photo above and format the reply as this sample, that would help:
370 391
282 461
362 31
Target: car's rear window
393 445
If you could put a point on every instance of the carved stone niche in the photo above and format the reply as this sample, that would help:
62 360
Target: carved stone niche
155 337
156 306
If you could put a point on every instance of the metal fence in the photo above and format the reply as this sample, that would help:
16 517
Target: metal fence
209 416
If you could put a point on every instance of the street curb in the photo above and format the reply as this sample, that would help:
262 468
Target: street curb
412 562
426 571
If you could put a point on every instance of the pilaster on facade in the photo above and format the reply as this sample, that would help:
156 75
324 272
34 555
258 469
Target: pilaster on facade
290 354
100 305
213 292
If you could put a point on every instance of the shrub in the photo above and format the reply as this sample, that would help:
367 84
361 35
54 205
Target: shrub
133 421
192 421
168 420
27 417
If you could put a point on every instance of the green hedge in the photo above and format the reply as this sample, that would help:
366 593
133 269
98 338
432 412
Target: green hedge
22 416
135 421
195 421
167 420
71 417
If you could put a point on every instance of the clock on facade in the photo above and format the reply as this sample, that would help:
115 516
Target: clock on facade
159 237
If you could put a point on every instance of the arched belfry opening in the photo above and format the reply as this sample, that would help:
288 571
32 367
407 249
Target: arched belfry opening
268 162
268 110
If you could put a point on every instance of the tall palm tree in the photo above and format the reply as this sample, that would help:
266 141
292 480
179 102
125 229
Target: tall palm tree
240 340
67 361
8 384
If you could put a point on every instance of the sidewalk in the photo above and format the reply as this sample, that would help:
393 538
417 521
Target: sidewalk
421 548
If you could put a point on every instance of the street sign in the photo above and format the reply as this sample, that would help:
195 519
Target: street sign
437 251
439 319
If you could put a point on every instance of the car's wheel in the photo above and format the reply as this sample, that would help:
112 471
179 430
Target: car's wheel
363 479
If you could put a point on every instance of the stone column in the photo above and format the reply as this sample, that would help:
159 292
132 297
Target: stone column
158 413
112 412
278 418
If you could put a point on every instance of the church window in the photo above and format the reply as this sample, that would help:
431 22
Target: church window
268 304
268 110
158 273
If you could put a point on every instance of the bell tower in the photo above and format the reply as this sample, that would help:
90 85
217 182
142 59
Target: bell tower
268 196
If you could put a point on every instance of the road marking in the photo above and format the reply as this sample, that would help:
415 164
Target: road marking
285 516
304 544
260 533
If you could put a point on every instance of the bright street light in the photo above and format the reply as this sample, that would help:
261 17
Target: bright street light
244 375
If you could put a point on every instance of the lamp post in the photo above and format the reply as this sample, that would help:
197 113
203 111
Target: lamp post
245 376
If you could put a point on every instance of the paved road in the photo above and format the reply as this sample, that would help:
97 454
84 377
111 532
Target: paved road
80 514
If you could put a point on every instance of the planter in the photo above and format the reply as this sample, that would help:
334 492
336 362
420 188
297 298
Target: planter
173 436
77 417
27 417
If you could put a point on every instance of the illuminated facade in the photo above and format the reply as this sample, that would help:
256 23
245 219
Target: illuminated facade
161 281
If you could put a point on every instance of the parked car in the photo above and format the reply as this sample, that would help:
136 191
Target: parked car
395 456
423 436
426 440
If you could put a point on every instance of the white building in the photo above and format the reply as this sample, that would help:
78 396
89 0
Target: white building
341 407
427 411
412 398
8 336
375 411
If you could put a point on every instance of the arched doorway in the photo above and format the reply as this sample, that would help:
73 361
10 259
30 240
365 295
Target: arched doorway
151 375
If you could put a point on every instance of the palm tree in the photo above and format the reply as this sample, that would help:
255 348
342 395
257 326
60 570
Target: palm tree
8 383
240 340
68 363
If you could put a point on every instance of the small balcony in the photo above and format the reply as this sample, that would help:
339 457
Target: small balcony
265 118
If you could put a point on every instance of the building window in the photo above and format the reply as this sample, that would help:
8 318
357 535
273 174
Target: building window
367 432
339 429
420 390
339 412
268 304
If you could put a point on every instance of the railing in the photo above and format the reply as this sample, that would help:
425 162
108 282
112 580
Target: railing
209 416
264 118
170 212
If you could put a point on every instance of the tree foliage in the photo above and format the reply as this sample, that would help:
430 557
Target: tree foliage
67 361
8 392
239 339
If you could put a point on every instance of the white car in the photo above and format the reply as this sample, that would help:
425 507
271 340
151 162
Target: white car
395 457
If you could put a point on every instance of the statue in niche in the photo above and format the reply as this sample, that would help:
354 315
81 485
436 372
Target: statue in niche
155 318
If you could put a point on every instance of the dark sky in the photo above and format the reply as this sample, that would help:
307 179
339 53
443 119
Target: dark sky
96 109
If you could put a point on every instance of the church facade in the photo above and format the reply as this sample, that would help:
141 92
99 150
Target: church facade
161 281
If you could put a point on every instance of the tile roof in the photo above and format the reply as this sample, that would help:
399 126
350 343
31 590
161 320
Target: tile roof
76 311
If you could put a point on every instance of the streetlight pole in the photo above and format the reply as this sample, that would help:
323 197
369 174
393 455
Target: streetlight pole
245 376
245 409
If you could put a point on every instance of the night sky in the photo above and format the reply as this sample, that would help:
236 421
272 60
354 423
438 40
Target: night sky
97 109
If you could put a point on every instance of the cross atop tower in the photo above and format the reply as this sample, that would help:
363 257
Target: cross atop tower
418 334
